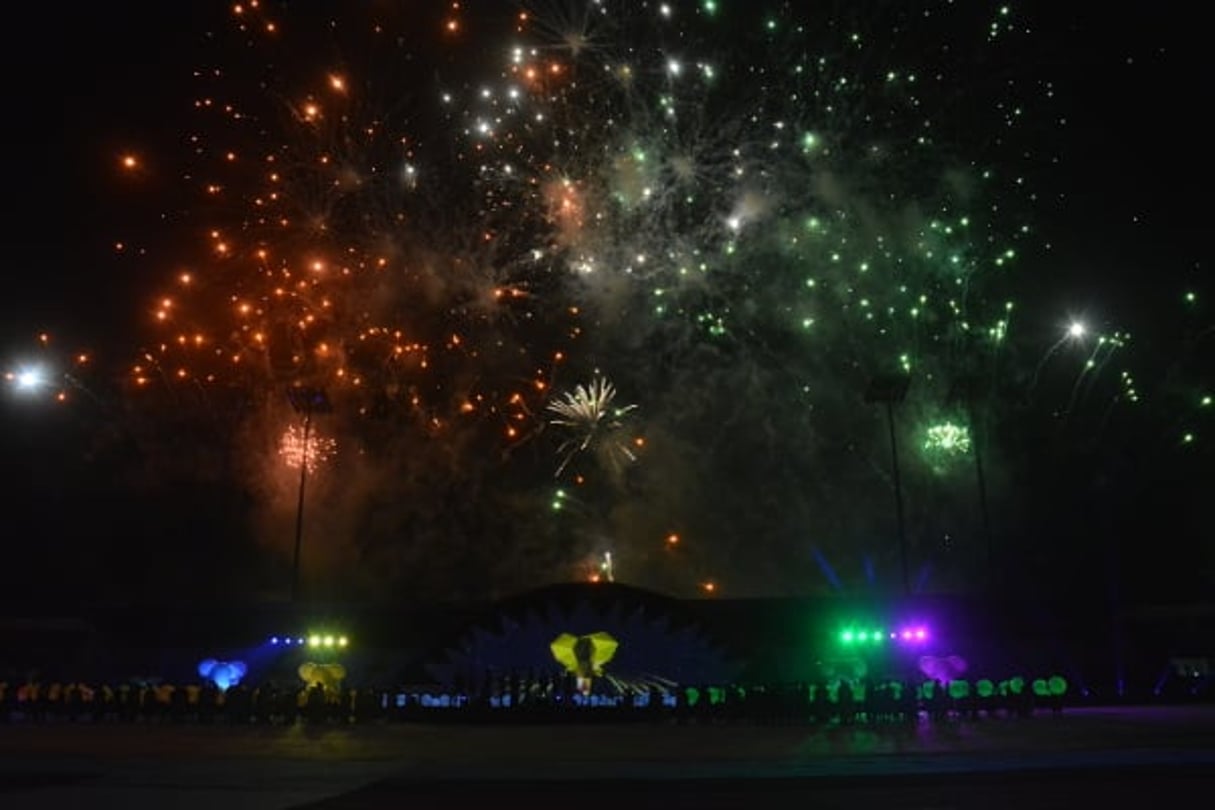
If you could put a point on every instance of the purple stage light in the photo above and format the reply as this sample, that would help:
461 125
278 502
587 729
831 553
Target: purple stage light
913 635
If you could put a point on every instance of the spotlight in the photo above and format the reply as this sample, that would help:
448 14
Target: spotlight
328 641
314 641
906 634
274 640
341 641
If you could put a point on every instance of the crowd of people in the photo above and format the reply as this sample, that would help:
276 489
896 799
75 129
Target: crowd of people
520 698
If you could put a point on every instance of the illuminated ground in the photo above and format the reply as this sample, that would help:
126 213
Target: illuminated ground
1089 756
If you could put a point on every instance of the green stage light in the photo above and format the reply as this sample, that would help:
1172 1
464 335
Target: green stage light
847 637
1057 685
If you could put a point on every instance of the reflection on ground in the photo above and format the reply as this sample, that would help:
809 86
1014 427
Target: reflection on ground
70 765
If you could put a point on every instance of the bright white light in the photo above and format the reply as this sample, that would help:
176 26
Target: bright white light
29 379
1076 329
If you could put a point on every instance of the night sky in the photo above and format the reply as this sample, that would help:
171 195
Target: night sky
732 218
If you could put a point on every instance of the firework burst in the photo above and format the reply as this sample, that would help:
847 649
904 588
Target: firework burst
750 211
312 450
593 420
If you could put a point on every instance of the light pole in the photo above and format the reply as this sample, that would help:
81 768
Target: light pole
306 401
890 390
965 390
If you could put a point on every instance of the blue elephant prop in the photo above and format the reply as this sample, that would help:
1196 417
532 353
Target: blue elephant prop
223 674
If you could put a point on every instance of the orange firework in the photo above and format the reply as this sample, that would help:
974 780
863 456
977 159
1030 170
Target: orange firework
313 452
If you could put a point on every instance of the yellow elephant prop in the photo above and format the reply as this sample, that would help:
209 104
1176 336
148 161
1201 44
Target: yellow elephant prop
584 656
329 676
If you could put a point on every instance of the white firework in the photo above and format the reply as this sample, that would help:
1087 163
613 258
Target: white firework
589 414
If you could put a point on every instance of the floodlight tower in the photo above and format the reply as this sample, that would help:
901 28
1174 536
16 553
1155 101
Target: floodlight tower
890 390
306 401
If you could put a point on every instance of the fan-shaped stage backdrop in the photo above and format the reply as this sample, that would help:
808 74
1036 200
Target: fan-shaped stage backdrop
619 639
